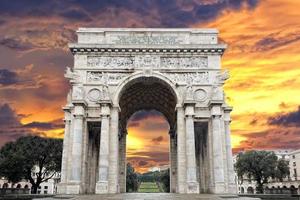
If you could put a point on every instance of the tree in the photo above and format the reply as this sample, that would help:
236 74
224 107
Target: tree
261 166
32 158
165 179
131 179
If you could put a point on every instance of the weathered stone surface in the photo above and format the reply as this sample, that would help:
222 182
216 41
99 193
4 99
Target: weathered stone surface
117 72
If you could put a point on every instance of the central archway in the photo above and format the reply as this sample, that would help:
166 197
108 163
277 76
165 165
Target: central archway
147 93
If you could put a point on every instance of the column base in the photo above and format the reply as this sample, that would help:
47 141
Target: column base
101 187
219 188
68 188
192 188
232 188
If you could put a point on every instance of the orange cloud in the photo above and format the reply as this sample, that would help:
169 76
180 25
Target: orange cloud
263 58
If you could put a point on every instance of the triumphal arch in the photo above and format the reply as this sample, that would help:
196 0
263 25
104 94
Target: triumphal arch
118 72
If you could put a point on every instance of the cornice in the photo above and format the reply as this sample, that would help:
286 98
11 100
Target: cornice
101 48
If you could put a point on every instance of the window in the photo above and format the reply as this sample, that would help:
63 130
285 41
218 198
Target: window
294 163
45 192
46 187
293 156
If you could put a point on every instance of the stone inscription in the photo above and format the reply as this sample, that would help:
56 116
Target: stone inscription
153 61
146 39
105 78
189 78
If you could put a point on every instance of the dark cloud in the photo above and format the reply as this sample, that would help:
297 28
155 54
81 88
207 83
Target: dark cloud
157 140
15 44
142 163
274 41
11 127
171 13
8 117
45 125
8 77
288 119
76 14
142 115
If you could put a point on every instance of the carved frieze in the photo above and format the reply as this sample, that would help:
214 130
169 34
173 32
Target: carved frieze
110 61
184 62
144 61
147 61
189 78
105 78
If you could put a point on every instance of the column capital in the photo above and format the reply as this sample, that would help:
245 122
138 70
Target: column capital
190 110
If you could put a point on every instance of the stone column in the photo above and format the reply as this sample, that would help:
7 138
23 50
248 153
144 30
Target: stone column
122 162
230 169
103 165
76 154
113 172
181 151
192 183
218 165
172 156
64 164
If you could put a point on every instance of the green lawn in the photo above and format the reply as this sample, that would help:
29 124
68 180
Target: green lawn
148 187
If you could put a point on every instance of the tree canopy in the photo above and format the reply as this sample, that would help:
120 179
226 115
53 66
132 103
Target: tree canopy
260 166
131 179
32 158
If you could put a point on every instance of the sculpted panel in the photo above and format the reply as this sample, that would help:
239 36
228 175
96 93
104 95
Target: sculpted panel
184 62
110 62
189 78
105 78
99 93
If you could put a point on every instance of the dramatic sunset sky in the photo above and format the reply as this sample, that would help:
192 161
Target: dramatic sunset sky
263 58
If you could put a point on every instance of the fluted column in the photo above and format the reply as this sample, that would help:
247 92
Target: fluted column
114 152
192 183
230 169
77 144
64 163
102 183
181 152
218 165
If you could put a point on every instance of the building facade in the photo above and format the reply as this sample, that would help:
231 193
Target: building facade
118 72
289 185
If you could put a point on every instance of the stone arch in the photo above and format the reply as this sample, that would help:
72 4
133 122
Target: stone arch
153 92
293 189
18 186
250 190
5 185
138 75
242 190
26 186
